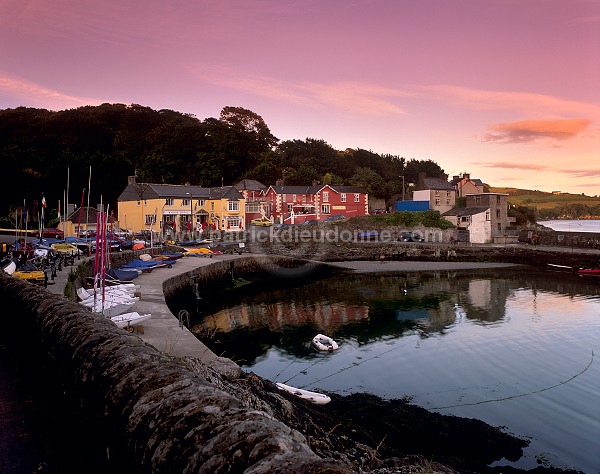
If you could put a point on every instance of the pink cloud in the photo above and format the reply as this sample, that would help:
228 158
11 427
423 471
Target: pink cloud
584 173
530 130
511 165
39 96
346 96
524 102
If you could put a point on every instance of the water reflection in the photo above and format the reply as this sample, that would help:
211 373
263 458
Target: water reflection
513 348
367 308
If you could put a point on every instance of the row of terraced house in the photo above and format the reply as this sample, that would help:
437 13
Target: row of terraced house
170 209
167 207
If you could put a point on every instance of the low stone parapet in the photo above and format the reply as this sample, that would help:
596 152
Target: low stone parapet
155 415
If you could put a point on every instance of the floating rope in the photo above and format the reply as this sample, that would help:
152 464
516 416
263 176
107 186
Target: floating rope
512 397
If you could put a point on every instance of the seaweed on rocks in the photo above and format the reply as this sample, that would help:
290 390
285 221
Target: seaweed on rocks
373 435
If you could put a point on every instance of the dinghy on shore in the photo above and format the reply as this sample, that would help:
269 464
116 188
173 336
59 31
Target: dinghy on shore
313 397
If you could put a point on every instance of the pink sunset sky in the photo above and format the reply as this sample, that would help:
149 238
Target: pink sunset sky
506 90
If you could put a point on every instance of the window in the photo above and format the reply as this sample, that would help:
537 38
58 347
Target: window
233 206
186 202
357 197
169 219
497 199
326 209
487 215
289 206
202 202
294 197
168 202
233 222
464 218
448 194
326 196
477 199
437 202
343 197
137 203
253 207
212 206
149 219
499 227
498 213
448 202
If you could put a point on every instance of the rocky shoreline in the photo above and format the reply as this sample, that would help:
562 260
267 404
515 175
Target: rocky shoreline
372 435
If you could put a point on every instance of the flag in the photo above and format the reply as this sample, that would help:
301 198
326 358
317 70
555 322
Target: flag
43 201
59 209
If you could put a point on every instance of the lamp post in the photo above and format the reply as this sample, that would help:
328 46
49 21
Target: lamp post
402 187
191 214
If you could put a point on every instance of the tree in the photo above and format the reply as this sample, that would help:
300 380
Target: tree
247 121
370 180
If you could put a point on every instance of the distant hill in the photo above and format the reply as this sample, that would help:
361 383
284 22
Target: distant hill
544 200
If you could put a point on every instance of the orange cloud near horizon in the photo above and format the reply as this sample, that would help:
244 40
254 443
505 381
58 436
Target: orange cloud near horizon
530 130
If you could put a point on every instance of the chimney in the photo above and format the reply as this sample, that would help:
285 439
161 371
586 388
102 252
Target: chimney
315 182
455 177
466 176
279 182
131 180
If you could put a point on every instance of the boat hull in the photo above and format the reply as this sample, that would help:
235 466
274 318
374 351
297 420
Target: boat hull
313 397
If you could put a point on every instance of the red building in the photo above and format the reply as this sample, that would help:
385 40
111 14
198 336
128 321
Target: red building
297 204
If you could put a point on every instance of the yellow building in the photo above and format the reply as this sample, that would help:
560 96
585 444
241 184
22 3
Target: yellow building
170 208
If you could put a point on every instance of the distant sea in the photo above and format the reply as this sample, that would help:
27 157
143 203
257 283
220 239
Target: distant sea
566 225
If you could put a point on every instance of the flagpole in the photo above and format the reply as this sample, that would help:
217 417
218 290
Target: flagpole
87 217
67 199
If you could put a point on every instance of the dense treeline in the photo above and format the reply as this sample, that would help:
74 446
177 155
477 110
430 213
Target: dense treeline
38 146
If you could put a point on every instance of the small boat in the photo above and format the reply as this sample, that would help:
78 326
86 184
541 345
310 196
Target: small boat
313 397
129 320
8 265
33 276
589 272
564 268
324 343
199 252
122 274
66 248
110 308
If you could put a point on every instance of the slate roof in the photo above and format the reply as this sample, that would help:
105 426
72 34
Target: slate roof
88 216
133 192
437 184
250 185
465 211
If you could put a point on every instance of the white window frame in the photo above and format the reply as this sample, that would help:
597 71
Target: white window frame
357 197
325 196
343 197
325 209
233 206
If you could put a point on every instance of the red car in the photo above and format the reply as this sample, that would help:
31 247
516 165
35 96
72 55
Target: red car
53 233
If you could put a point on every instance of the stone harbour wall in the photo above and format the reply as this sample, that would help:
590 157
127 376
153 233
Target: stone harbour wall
154 415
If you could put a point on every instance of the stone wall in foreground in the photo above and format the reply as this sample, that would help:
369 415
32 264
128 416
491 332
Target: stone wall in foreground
153 414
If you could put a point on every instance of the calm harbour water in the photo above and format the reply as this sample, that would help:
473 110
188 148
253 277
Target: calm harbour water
573 225
513 348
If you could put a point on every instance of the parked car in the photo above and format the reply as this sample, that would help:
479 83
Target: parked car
52 233
335 217
282 227
310 222
261 221
411 237
381 211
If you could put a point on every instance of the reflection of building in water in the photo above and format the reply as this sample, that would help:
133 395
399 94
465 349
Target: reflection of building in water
485 299
276 316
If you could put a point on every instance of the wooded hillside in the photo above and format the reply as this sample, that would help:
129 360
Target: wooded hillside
38 146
